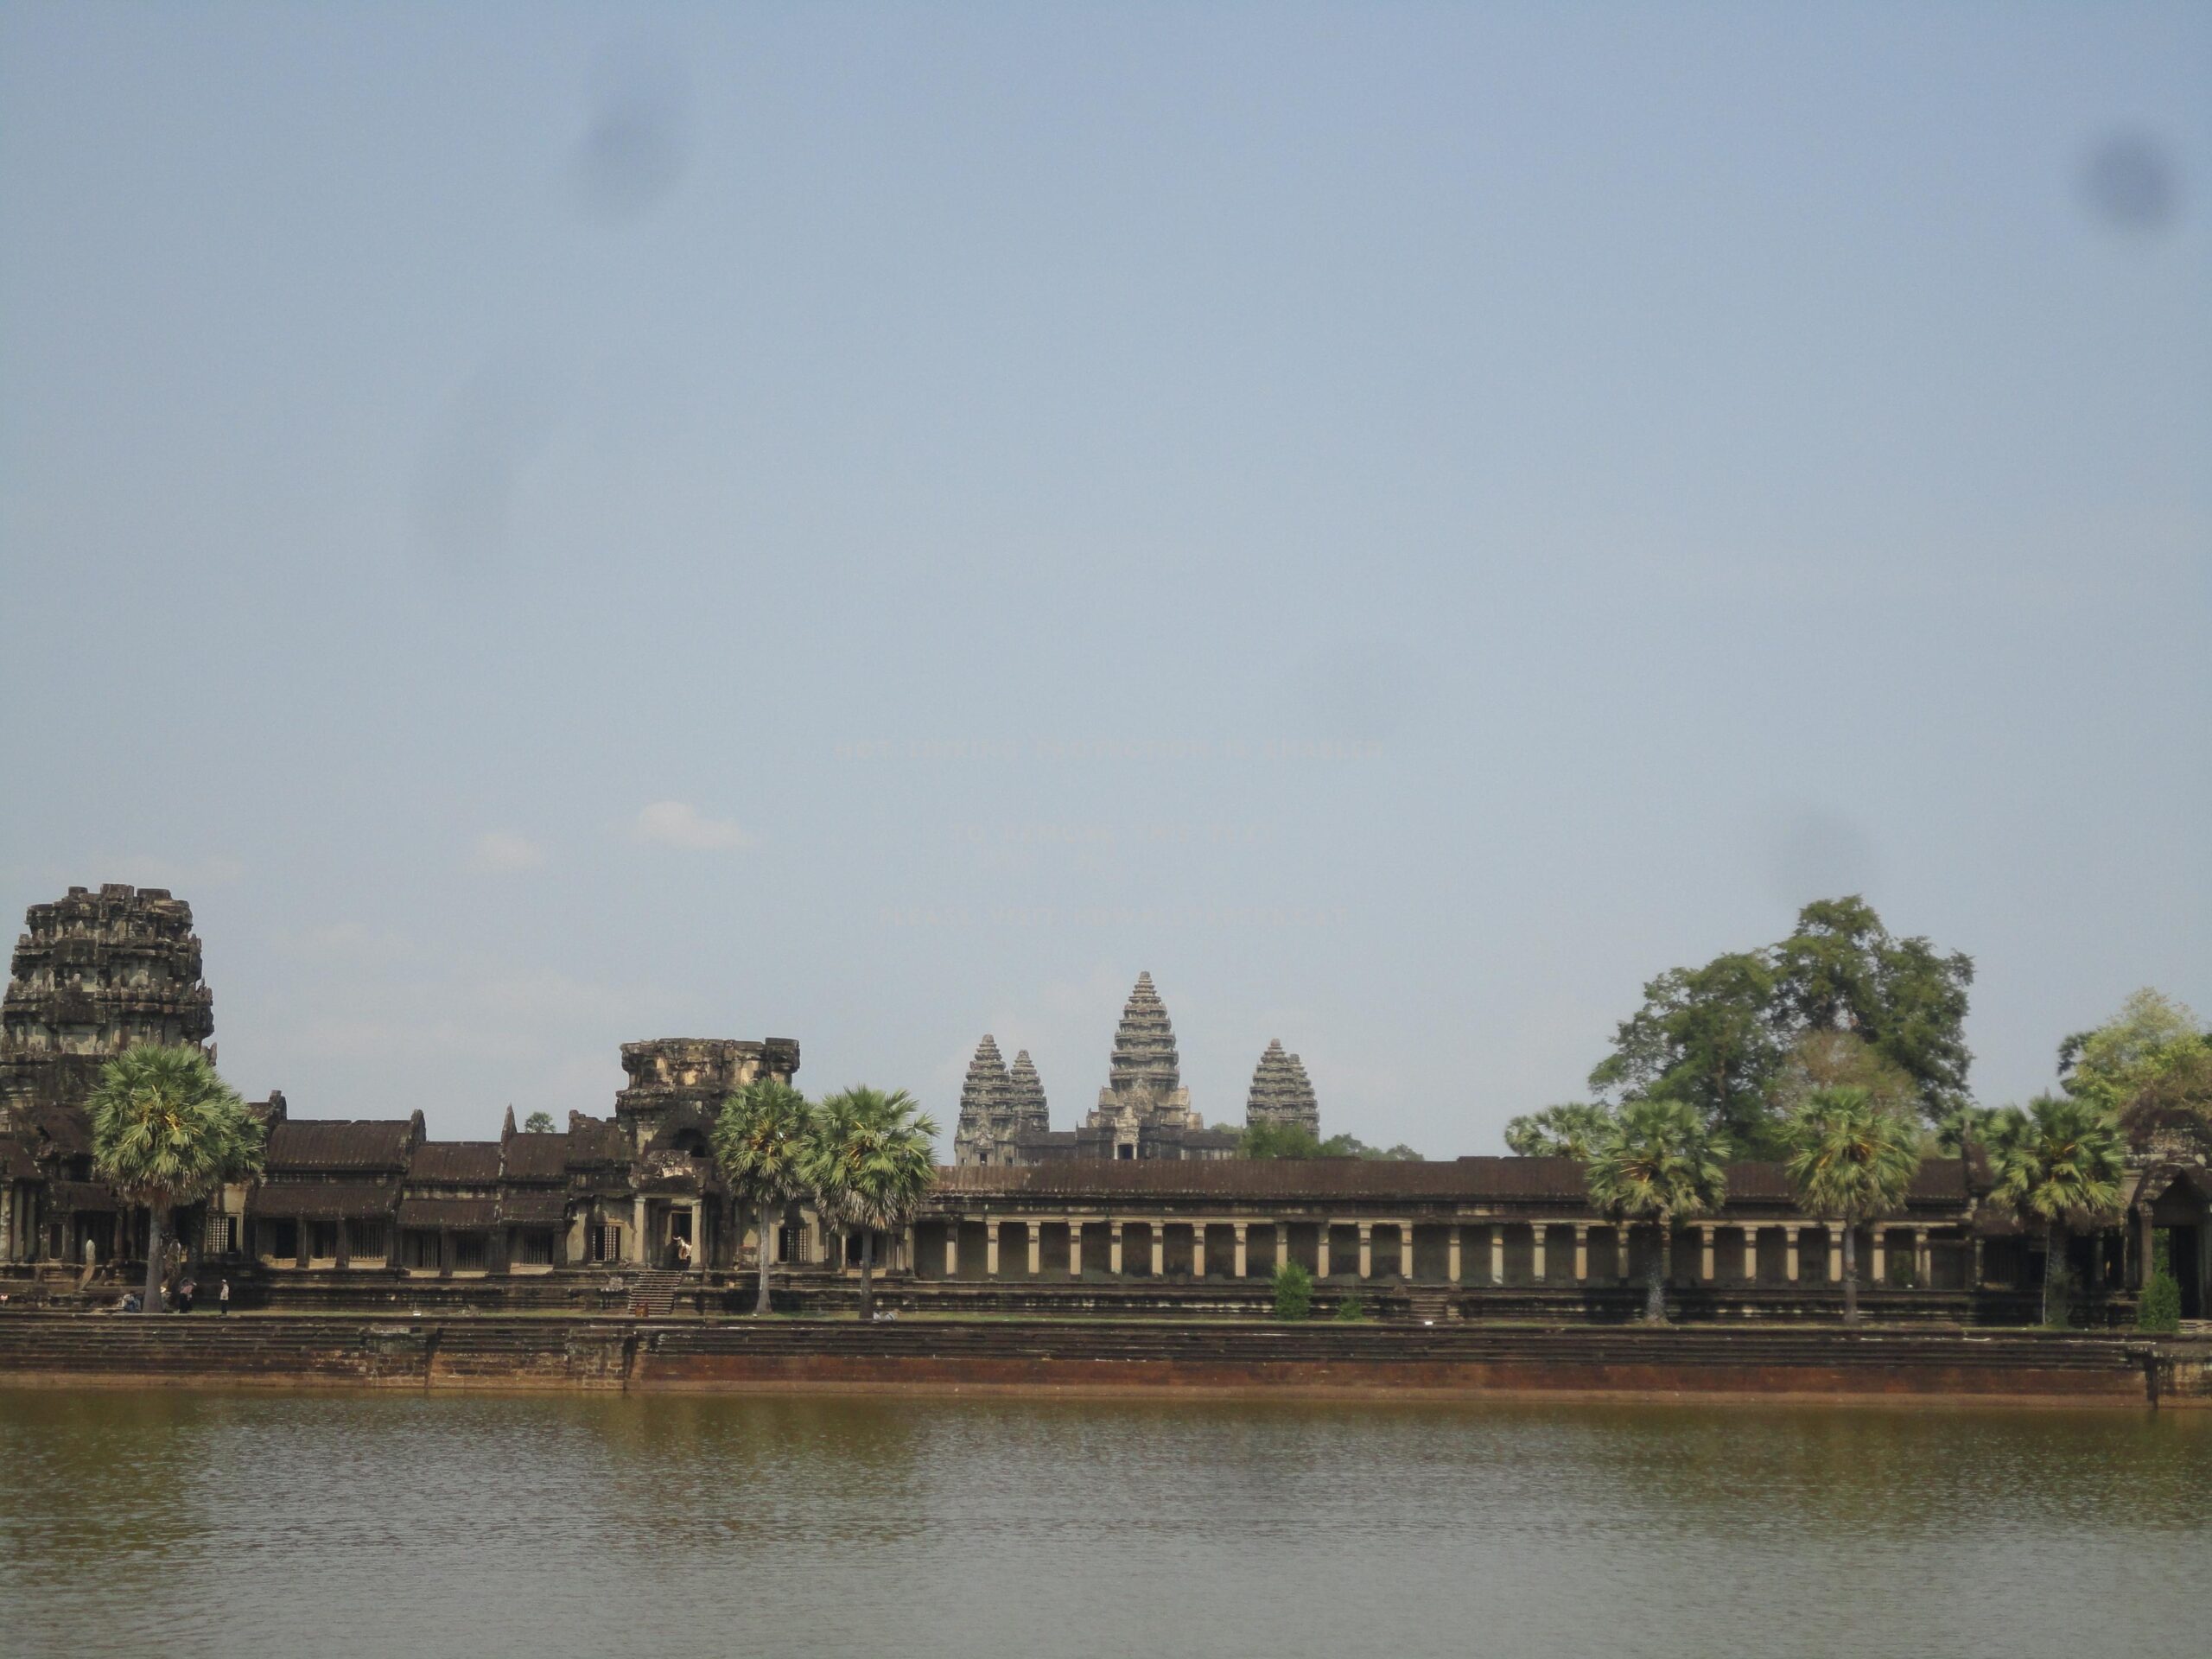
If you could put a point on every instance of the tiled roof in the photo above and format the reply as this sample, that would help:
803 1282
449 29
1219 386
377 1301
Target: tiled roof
81 1195
471 1162
331 1143
17 1163
322 1200
448 1212
68 1128
536 1157
1537 1180
533 1208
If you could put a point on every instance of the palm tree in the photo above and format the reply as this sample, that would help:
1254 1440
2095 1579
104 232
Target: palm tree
1657 1161
872 1158
166 1130
1850 1157
760 1141
2059 1158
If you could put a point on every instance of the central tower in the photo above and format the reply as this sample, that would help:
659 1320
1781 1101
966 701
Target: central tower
1144 1097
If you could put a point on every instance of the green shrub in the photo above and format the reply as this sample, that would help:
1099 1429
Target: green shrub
2159 1311
1294 1292
1351 1310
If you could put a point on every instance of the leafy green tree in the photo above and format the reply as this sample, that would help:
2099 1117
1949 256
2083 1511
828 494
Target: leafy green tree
1293 1288
538 1123
1704 1036
2058 1158
760 1140
1841 969
1960 1130
1351 1310
873 1158
1660 1162
1851 1157
167 1130
1347 1146
2150 1066
1567 1130
1278 1141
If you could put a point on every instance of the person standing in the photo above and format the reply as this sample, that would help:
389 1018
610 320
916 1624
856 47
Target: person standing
223 1296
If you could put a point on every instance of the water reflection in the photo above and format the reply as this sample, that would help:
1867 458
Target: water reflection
344 1523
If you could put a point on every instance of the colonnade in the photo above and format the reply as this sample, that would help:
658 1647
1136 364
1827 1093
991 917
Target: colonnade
1547 1251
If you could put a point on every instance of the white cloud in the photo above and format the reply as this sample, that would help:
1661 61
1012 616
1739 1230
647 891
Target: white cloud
677 823
501 852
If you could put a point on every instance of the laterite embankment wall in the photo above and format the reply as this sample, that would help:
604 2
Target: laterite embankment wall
279 1351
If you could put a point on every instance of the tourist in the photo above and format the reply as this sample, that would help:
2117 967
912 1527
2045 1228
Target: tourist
683 1254
185 1293
223 1297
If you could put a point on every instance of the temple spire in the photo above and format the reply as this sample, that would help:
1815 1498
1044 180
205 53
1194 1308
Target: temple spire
1281 1092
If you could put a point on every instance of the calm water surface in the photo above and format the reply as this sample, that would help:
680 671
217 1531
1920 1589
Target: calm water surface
206 1522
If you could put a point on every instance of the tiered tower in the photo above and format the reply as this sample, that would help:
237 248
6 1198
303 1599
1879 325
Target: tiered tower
676 1085
1144 1093
1281 1093
1025 1107
986 1100
96 973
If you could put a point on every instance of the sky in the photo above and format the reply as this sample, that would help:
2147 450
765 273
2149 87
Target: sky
556 526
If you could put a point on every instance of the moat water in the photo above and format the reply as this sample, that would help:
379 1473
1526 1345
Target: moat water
183 1524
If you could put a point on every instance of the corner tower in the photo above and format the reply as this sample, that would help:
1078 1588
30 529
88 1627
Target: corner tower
1281 1093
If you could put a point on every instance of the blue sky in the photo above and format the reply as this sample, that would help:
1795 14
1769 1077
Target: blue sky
557 526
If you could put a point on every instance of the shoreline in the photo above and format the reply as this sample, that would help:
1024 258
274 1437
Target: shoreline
1005 1357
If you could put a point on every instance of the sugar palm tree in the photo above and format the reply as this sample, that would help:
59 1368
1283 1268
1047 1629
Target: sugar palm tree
872 1158
167 1130
1657 1161
1850 1157
2060 1158
760 1141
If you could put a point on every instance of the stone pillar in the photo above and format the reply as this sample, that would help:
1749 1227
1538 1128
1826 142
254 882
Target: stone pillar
2147 1249
1539 1268
952 1247
1160 1249
1113 1248
1036 1249
1751 1255
1705 1252
1243 1262
699 1235
1451 1253
1366 1249
1198 1249
1497 1231
1789 1253
1321 1264
1581 1253
1974 1268
637 1234
1406 1251
991 1248
913 1246
1878 1236
1835 1252
1923 1260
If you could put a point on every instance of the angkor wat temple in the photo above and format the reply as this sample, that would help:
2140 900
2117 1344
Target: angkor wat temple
1142 1208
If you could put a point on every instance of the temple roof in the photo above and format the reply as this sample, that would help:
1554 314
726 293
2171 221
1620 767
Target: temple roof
321 1200
332 1143
533 1157
1025 1094
1144 1045
460 1162
1281 1093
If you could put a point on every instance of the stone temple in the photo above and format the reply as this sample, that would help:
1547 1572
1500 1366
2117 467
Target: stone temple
1281 1094
1144 1112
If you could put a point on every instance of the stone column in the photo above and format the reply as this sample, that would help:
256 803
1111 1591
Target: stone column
1497 1231
637 1234
1074 1248
1113 1248
1160 1249
1878 1236
1036 1248
1581 1253
952 1247
991 1248
914 1249
1974 1266
1789 1253
1923 1260
1198 1250
1835 1252
1321 1264
2146 1250
1539 1268
1366 1249
1243 1262
1406 1251
1705 1252
699 1235
1451 1253
1751 1255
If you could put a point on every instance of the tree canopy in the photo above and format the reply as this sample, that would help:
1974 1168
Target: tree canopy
1569 1129
2150 1066
1658 1162
1851 1156
538 1123
762 1140
1730 1038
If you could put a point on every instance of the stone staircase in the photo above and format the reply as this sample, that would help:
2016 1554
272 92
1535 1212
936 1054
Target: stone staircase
654 1291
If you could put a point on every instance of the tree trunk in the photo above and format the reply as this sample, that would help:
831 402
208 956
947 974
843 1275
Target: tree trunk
867 1260
1655 1300
157 1217
2053 1247
760 1306
1849 1273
